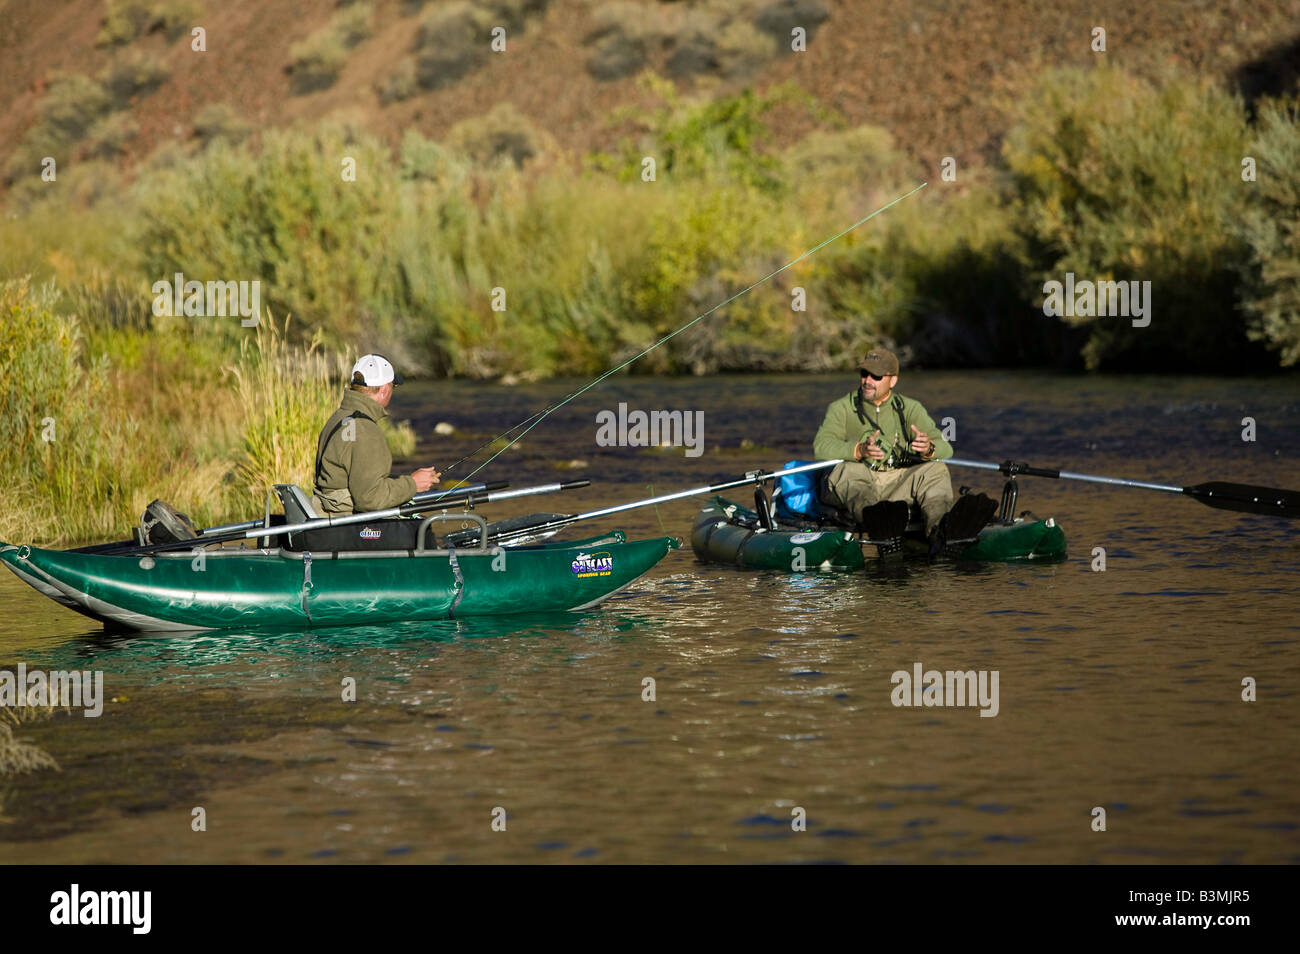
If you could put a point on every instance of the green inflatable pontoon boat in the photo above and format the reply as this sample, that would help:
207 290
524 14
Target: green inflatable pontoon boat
243 588
727 533
360 569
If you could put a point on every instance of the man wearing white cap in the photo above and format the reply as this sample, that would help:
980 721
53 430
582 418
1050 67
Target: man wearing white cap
352 457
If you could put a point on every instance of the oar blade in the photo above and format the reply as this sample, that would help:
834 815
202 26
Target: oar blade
1247 498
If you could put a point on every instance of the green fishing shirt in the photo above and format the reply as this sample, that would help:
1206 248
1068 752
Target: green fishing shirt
851 421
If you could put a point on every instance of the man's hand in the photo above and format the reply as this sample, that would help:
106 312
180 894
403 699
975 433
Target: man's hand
425 478
870 448
921 443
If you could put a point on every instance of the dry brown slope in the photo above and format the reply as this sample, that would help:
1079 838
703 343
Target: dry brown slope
929 71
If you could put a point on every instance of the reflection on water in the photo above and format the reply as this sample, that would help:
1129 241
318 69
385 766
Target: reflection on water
688 718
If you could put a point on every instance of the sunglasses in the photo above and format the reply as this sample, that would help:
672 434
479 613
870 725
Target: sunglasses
874 377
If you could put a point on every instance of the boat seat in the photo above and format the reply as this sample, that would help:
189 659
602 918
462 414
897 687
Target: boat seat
296 503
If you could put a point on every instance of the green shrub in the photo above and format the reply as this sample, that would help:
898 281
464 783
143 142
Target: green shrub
131 75
707 43
353 24
1117 179
108 137
623 35
319 244
503 133
127 20
220 122
1271 230
401 84
316 61
453 41
717 38
513 14
58 446
85 444
72 105
709 140
778 19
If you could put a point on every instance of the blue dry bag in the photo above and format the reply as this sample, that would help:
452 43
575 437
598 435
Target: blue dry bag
797 493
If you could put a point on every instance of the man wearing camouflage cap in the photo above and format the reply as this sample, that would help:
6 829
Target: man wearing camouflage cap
892 451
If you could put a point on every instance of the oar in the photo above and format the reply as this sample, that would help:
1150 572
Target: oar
406 510
1243 498
753 476
432 495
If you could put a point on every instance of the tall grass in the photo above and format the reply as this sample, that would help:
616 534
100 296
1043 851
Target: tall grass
86 443
284 394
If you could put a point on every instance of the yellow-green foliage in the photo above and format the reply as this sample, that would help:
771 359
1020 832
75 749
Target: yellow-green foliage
1271 228
459 263
353 23
319 244
108 137
127 20
64 442
727 38
132 73
220 121
1121 179
86 443
284 394
503 133
401 84
315 62
452 42
72 105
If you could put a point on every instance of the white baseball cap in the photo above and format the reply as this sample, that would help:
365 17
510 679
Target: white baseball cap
375 370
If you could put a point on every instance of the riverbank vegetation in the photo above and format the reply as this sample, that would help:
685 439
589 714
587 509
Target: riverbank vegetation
498 252
95 423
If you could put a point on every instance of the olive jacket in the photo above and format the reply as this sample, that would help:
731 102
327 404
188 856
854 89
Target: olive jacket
850 421
353 461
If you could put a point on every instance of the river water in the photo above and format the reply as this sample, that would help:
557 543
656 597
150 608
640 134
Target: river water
1119 689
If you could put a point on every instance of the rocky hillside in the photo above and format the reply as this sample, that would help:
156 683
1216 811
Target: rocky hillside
933 72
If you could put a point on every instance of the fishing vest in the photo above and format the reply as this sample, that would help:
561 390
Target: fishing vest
898 457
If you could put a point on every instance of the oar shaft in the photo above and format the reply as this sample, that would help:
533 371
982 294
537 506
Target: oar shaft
1120 482
458 496
1012 468
405 510
749 478
540 489
752 477
1241 498
432 496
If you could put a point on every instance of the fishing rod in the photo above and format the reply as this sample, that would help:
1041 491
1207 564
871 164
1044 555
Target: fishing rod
538 417
752 477
429 495
1242 498
406 510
